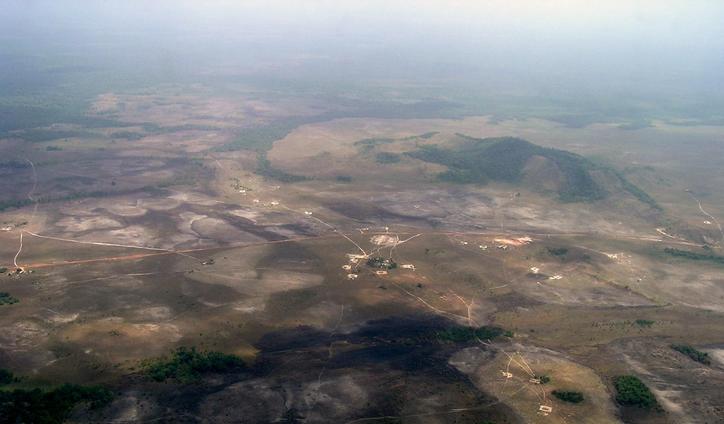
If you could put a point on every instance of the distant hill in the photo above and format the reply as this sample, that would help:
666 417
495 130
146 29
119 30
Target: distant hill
508 159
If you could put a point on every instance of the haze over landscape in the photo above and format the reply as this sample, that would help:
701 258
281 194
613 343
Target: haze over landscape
361 212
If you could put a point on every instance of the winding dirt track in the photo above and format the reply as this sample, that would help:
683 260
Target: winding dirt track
710 216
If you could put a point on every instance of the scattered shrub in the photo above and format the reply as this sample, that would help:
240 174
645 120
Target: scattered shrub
568 396
691 352
557 251
372 142
644 322
387 157
37 135
6 299
127 135
428 135
187 364
695 256
468 334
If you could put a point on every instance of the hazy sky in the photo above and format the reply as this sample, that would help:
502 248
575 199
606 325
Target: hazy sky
612 46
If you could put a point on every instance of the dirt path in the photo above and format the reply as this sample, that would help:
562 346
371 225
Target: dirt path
337 233
332 227
162 252
96 243
35 210
714 220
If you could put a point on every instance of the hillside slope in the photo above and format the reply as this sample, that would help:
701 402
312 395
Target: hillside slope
508 159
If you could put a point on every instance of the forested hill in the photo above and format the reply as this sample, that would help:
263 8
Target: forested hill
508 159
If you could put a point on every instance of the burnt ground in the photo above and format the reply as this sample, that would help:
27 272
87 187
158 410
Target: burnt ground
395 367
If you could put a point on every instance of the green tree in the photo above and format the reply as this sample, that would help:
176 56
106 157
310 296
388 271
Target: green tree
568 396
631 391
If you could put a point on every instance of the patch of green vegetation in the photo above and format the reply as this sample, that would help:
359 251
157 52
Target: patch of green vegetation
428 135
693 353
25 112
694 256
367 144
644 323
631 391
387 157
127 135
49 407
557 251
568 396
343 178
191 176
37 135
14 203
14 164
381 263
38 95
188 364
503 159
6 377
636 192
3 270
469 334
158 129
262 137
6 299
544 379
53 149
372 142
265 169
461 176
19 203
